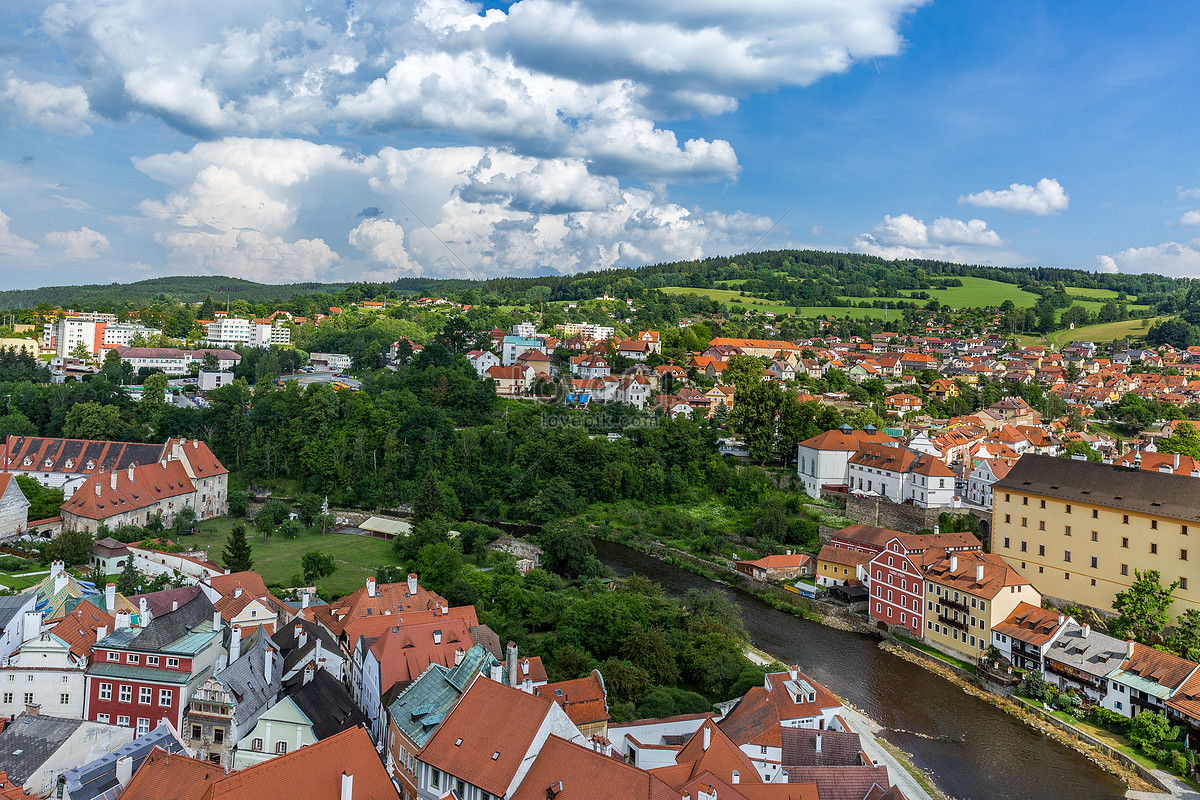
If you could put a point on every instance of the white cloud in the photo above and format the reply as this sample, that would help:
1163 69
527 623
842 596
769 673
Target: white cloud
81 245
1186 194
1176 259
55 109
13 245
1189 218
383 242
1047 197
549 78
905 236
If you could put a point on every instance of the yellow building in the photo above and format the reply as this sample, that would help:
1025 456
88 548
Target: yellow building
966 593
1080 530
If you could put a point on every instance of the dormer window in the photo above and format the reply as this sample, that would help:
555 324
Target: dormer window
28 462
70 463
91 464
48 463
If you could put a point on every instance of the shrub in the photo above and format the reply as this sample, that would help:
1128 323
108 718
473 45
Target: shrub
1179 764
12 563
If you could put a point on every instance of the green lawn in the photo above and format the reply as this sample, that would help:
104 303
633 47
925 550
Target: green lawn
852 313
21 582
726 297
938 654
278 558
1104 332
981 292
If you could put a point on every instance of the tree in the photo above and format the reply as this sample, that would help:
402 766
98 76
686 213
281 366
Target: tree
91 420
237 553
14 423
44 502
429 498
185 518
129 580
1151 727
1143 608
154 398
81 352
72 548
272 513
1082 449
438 564
1185 441
316 565
567 550
1185 639
742 370
112 366
290 528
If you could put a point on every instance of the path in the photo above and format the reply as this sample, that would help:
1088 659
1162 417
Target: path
1179 789
867 729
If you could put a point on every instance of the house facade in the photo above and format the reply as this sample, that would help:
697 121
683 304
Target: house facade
822 460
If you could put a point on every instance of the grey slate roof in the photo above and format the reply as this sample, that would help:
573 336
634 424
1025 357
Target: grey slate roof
247 681
28 742
285 637
325 701
838 749
1107 485
1095 654
161 632
100 776
10 606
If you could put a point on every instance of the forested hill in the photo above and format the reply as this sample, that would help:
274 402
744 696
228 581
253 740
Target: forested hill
798 277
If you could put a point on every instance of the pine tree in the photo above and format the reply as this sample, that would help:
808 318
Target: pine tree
129 581
207 310
237 553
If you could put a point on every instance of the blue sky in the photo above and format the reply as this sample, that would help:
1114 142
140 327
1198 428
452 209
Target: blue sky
283 141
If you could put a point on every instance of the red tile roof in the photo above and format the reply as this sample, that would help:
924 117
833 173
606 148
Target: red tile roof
1029 623
722 757
78 628
135 488
342 617
578 773
1165 669
849 441
407 648
170 776
584 699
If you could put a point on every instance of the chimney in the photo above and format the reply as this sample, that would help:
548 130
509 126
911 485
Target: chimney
412 583
237 592
1062 618
216 622
1129 648
235 643
130 473
96 485
176 451
268 665
1086 629
143 607
309 671
1177 462
512 664
112 480
32 709
318 656
707 736
953 563
60 576
818 742
298 631
304 600
371 587
458 656
101 632
437 637
124 770
979 573
174 605
110 597
122 620
794 671
936 529
32 625
497 673
347 787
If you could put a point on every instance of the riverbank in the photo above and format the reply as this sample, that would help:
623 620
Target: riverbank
844 620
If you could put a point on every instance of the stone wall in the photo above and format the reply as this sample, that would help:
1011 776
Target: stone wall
883 513
14 512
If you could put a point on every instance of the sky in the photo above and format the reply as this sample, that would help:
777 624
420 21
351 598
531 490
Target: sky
333 141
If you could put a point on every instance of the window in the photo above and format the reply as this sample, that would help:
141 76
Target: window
145 695
1024 522
133 658
1153 548
1043 504
1124 569
435 778
64 699
1095 562
280 748
1041 525
258 746
1095 536
125 695
1041 549
1006 543
151 661
143 726
196 732
1067 556
114 656
879 608
1183 555
1095 513
102 718
123 720
1068 508
1124 519
1008 518
172 662
1153 524
106 691
1007 497
1024 501
1024 547
7 697
1182 582
1067 530
218 735
1125 542
28 698
165 696
1183 529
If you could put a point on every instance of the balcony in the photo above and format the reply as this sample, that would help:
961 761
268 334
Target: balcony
953 623
951 604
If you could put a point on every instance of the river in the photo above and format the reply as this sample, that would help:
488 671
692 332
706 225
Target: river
971 748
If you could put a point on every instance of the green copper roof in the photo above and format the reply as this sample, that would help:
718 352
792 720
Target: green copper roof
423 705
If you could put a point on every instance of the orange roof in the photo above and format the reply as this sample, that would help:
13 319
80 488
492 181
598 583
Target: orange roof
1165 669
900 459
1187 699
78 628
408 647
842 555
319 766
342 616
106 495
721 757
579 773
997 574
466 746
178 777
794 561
845 439
9 790
1029 623
584 699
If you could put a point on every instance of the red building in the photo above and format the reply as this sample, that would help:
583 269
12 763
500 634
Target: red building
897 577
140 675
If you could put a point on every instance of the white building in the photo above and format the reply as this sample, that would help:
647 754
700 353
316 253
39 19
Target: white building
986 473
823 459
525 329
207 380
265 333
338 362
229 331
482 360
173 361
120 334
901 475
18 621
43 672
67 333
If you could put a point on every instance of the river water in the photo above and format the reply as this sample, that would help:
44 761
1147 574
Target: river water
971 748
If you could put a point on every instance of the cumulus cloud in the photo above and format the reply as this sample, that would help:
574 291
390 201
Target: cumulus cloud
11 244
1176 259
905 236
1186 194
81 245
548 78
253 205
1189 218
1047 197
55 109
